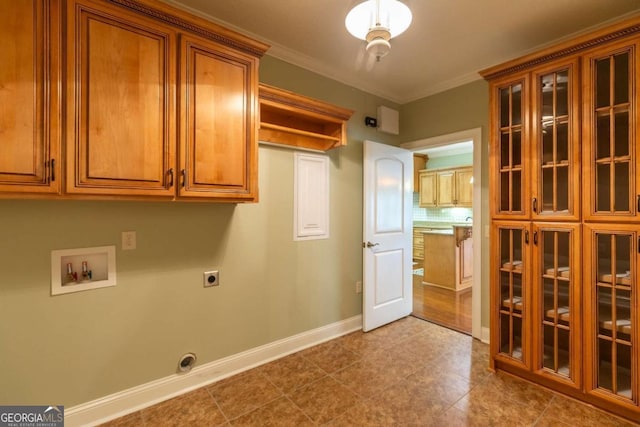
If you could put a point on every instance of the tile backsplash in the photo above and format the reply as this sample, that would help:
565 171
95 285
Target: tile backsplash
439 214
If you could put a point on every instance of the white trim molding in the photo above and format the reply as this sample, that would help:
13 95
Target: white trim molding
127 401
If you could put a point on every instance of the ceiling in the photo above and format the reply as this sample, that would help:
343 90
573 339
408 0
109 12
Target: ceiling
448 42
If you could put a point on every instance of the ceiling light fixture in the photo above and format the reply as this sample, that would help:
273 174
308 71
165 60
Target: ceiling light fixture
377 22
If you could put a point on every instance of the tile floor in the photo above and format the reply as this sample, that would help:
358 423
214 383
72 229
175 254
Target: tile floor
408 373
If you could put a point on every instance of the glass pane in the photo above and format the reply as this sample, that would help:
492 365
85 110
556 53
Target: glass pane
547 189
549 302
562 190
564 317
547 86
623 380
504 107
604 255
602 83
621 187
548 360
623 258
516 105
603 135
505 333
604 311
563 366
621 83
562 142
517 338
505 191
516 192
621 136
516 144
603 188
604 364
547 144
562 93
505 156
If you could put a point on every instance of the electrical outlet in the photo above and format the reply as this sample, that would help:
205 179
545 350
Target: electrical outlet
128 240
358 287
211 278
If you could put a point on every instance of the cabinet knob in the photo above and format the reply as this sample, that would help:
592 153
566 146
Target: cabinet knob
170 172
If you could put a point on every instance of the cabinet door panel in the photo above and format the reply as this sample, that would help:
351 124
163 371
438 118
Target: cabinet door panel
428 192
29 118
217 106
510 292
446 188
121 100
464 188
555 163
611 158
556 277
509 147
611 312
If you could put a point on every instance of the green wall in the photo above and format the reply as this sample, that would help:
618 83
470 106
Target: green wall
452 161
73 348
458 109
70 349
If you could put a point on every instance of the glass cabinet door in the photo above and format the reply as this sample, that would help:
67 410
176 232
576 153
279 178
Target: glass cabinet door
611 316
556 163
556 278
512 241
510 150
609 134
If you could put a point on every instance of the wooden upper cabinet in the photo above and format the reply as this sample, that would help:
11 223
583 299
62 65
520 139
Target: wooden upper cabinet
446 188
464 187
218 147
428 196
29 105
555 147
120 102
509 147
611 160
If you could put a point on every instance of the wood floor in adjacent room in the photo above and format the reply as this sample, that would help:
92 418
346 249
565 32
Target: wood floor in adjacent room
441 306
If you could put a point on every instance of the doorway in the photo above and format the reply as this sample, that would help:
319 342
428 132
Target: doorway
443 303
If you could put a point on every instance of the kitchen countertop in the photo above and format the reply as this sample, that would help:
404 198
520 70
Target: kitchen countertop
444 231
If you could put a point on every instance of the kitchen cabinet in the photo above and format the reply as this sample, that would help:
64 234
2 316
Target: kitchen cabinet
448 258
29 106
121 81
419 163
446 187
564 203
218 156
428 190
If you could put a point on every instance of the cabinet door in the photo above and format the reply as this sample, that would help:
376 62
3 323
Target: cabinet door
610 132
555 163
218 105
446 188
419 163
428 192
120 102
611 312
29 104
510 292
556 300
464 188
509 147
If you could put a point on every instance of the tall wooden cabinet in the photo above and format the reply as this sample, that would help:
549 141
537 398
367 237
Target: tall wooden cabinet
565 202
29 107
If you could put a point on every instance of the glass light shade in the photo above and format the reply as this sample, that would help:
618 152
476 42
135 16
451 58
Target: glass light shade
390 14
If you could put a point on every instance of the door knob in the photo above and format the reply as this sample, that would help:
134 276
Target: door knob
370 245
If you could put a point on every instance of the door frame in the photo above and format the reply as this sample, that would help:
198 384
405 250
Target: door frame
474 135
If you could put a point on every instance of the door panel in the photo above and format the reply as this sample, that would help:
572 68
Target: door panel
387 234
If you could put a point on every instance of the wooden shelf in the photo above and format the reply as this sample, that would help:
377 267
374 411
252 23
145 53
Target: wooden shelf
293 120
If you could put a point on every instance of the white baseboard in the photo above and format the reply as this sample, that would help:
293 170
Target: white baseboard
486 334
127 401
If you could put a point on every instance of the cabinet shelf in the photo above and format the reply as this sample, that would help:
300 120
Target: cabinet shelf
293 120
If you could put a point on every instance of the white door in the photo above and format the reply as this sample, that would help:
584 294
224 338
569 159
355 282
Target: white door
388 289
